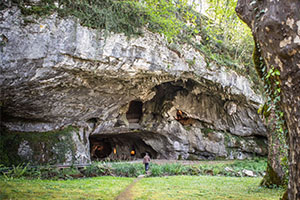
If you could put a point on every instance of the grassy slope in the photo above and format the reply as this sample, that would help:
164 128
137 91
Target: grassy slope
203 187
172 187
104 188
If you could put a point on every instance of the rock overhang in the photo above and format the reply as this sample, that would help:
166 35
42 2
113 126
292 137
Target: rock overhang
58 73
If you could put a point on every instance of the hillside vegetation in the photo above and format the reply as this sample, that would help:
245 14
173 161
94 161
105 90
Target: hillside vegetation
219 34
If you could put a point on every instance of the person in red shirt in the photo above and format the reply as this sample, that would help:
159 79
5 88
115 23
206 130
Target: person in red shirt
146 161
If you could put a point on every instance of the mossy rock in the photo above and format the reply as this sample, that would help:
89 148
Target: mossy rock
51 147
206 131
192 157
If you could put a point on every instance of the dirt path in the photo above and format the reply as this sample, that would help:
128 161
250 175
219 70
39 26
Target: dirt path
126 193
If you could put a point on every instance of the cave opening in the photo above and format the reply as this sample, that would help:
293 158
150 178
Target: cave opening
125 146
184 119
135 111
100 148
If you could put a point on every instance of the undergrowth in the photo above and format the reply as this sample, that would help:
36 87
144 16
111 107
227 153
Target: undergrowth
128 17
257 166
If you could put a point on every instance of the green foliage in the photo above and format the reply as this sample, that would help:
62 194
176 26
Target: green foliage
169 169
96 169
129 17
226 29
128 170
48 172
14 172
272 108
113 16
191 62
206 131
169 17
228 41
258 167
225 40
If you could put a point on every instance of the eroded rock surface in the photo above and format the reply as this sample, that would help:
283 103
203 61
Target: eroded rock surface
125 94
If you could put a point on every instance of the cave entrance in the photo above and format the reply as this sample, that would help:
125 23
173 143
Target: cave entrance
135 111
100 148
125 146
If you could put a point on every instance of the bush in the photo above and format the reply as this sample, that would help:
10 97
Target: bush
14 172
156 170
129 17
257 166
127 169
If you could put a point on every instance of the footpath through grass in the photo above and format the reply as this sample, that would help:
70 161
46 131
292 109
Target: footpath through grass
169 187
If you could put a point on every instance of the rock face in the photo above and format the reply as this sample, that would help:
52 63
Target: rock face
124 94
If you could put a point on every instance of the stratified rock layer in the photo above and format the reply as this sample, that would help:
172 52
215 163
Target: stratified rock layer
124 94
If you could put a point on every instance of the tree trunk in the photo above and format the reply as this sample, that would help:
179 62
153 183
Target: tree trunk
275 173
277 168
276 28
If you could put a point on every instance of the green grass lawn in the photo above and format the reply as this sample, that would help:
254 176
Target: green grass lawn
204 188
172 187
103 188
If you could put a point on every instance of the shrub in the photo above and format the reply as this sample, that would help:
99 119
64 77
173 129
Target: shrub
127 169
14 172
257 166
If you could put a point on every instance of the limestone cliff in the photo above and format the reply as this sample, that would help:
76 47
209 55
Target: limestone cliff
122 93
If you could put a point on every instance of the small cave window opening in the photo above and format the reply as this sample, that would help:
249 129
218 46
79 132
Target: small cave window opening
183 118
179 115
135 111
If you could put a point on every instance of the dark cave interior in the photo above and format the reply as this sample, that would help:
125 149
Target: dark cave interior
135 112
125 146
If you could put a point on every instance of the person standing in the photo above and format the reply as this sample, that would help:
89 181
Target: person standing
146 161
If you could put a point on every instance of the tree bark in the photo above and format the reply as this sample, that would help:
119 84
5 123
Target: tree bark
277 168
275 172
275 26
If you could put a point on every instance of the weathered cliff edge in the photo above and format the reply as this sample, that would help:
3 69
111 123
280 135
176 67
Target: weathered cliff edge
119 93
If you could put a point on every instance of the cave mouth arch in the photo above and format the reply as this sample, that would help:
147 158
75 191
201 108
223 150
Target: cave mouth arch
135 111
120 146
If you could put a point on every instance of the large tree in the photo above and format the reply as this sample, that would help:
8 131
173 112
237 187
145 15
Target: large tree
275 26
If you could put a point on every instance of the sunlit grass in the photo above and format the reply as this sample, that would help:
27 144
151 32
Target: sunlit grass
203 187
154 188
104 188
